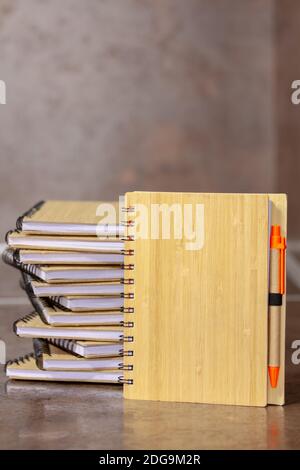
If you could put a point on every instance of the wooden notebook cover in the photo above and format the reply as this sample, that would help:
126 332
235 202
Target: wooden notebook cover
68 212
200 317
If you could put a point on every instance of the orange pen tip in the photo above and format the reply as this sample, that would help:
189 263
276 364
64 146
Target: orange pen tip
273 374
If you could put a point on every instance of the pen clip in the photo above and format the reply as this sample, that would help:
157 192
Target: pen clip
282 265
278 242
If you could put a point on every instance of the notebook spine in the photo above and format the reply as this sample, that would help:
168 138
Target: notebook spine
65 344
55 302
30 269
38 304
129 311
12 258
27 279
40 347
25 319
28 213
8 234
20 360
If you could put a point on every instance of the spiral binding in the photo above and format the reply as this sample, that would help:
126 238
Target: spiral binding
20 360
27 280
69 345
127 353
129 223
127 324
39 305
127 309
45 303
9 233
65 344
128 238
25 283
28 272
129 267
11 257
127 281
25 319
28 317
55 300
130 209
28 213
30 269
129 295
127 339
122 366
122 380
41 346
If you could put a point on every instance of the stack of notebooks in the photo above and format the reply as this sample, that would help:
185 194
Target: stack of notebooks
204 296
72 271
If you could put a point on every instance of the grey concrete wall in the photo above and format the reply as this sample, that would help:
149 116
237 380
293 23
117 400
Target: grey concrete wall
286 43
106 96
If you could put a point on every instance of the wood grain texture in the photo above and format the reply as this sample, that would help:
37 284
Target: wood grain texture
200 317
68 212
276 396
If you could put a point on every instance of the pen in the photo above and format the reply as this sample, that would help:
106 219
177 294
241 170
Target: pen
277 289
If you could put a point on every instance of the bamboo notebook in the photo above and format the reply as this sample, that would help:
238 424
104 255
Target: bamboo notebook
50 357
198 318
76 302
67 257
25 368
71 217
106 289
64 274
65 243
88 349
56 316
31 326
